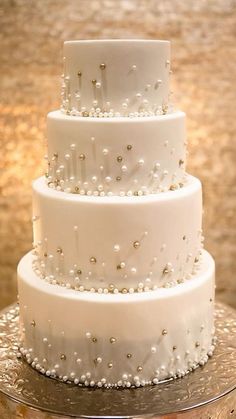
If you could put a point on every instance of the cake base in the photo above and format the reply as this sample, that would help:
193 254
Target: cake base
116 340
208 392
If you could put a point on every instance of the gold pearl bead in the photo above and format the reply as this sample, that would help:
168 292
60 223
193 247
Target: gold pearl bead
63 357
164 332
139 369
110 365
93 260
82 156
33 323
129 356
79 74
136 244
118 178
94 81
119 159
165 270
59 250
94 340
181 162
85 113
174 348
102 66
112 340
129 147
79 272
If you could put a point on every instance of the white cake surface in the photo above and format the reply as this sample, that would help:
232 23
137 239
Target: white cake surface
118 291
116 77
116 340
115 243
120 156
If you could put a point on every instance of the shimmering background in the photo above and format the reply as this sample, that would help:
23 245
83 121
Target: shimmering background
203 36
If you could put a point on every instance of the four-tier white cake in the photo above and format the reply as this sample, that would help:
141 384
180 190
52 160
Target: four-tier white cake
118 291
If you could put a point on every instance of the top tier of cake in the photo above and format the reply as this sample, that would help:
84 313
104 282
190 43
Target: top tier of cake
116 78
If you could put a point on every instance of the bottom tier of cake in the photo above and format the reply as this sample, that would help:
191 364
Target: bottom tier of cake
116 340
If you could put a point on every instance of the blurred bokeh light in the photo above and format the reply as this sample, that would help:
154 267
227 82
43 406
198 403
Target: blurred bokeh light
203 40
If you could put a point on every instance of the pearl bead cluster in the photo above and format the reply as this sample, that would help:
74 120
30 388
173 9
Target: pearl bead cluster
101 108
127 380
77 278
67 174
98 113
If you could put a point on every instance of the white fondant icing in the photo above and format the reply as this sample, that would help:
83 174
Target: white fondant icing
119 242
145 154
116 77
121 340
149 312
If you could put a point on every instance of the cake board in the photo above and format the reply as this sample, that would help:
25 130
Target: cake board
207 393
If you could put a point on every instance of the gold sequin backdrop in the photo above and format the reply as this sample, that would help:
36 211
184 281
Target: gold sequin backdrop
204 81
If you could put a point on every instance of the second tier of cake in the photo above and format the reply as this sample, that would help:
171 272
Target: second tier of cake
116 156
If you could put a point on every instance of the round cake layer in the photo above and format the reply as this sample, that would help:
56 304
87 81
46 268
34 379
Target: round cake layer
116 340
121 156
116 77
117 243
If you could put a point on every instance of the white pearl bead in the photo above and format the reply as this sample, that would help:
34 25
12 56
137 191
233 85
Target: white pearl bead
116 248
141 162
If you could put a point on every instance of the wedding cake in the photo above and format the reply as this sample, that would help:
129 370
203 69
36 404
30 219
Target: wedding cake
118 290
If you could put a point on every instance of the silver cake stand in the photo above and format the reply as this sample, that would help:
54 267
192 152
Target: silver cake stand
207 393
